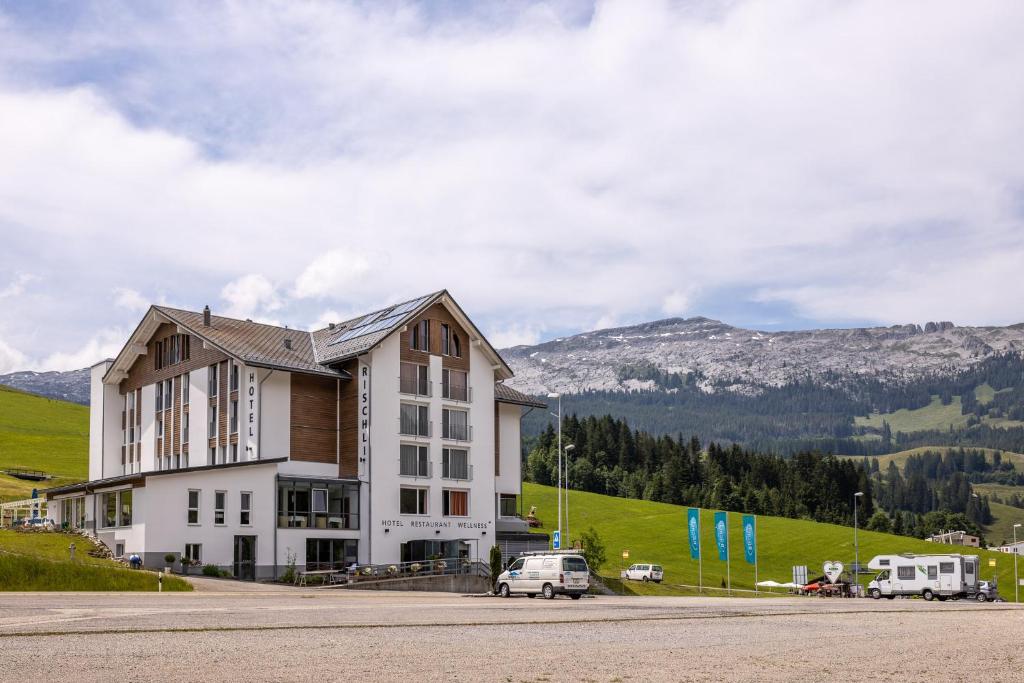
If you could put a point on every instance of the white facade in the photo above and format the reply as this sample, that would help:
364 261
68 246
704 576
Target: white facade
199 508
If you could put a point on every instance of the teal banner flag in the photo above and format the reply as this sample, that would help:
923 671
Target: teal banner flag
693 524
749 539
722 535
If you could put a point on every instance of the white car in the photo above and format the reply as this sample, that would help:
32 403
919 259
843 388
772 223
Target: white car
547 575
645 573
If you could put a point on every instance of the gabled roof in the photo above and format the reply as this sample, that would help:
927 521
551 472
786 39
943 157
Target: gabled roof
504 394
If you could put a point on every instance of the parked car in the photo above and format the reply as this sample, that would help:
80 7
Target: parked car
645 573
547 574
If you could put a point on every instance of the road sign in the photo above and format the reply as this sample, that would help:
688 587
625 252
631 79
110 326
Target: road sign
800 574
556 539
625 554
991 563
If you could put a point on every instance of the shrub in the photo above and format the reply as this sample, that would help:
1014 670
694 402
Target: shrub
593 550
211 570
169 558
288 575
495 564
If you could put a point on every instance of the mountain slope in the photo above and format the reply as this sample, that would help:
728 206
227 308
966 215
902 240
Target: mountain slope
72 385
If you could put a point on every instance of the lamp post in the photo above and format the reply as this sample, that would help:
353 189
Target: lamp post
1016 581
569 447
559 487
856 547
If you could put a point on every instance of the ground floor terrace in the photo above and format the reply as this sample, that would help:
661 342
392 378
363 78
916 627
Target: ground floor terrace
313 634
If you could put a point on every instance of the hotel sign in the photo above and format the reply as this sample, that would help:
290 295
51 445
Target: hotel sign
363 415
251 405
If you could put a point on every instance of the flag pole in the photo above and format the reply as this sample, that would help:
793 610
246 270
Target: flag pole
728 558
700 558
754 518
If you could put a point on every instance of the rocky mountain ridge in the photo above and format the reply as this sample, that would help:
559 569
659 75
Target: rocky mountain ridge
72 385
718 356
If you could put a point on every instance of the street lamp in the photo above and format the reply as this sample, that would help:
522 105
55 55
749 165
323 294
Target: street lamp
1016 581
559 488
856 547
570 447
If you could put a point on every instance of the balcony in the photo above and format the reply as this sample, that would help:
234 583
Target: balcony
457 392
457 432
415 386
300 519
463 473
421 428
419 470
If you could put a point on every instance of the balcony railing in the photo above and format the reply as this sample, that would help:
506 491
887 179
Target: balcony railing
420 470
298 519
415 386
457 432
458 473
423 428
457 392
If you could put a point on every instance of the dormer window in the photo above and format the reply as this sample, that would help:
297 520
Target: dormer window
419 336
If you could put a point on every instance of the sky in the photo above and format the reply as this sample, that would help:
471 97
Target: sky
557 166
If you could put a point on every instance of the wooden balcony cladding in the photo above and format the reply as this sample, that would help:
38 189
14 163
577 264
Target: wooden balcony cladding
222 403
436 315
314 418
176 422
348 436
142 371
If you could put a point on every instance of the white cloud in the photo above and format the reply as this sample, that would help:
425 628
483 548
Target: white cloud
516 335
17 286
325 318
250 296
130 299
11 359
106 344
845 159
331 274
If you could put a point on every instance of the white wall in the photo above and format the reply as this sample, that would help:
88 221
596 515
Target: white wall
198 417
509 446
105 433
275 414
96 414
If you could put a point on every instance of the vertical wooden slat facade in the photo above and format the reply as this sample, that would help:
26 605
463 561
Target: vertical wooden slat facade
497 442
348 418
314 418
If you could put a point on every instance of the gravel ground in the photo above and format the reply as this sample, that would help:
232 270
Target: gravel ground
317 635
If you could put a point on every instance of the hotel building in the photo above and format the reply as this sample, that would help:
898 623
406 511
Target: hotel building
390 437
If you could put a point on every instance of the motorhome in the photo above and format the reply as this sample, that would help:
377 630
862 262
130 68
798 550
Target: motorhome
930 576
546 573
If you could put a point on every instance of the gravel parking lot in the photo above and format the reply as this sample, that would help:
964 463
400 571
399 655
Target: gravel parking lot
338 635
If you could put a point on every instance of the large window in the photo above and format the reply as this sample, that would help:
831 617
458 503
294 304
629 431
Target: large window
219 503
413 501
319 504
331 553
171 350
905 573
414 461
194 552
212 432
414 420
116 508
508 505
413 379
168 394
450 345
193 506
454 503
245 509
212 387
455 425
234 377
234 417
455 463
419 336
454 385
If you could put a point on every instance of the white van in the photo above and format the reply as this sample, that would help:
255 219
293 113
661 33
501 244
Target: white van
546 574
645 573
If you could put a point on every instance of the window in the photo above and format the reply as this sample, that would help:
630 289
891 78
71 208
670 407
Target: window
119 550
330 504
194 552
456 346
186 346
414 420
159 426
184 428
455 424
213 422
234 452
108 503
413 501
174 349
245 509
193 506
213 456
330 553
184 387
234 377
507 505
454 503
455 463
454 385
168 394
905 573
414 461
517 565
933 572
212 387
158 356
234 417
883 563
219 498
125 504
419 338
159 397
945 568
413 379
446 338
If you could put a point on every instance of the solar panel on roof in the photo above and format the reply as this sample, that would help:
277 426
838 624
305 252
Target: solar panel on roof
379 320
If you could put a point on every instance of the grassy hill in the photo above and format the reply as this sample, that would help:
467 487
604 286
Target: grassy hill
656 532
935 415
40 562
900 457
41 434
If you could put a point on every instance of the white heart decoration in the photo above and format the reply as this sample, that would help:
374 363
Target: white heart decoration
833 570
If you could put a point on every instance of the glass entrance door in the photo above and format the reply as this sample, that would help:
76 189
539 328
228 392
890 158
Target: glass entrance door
245 558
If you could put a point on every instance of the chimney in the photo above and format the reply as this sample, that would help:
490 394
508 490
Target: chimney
288 344
206 316
330 326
